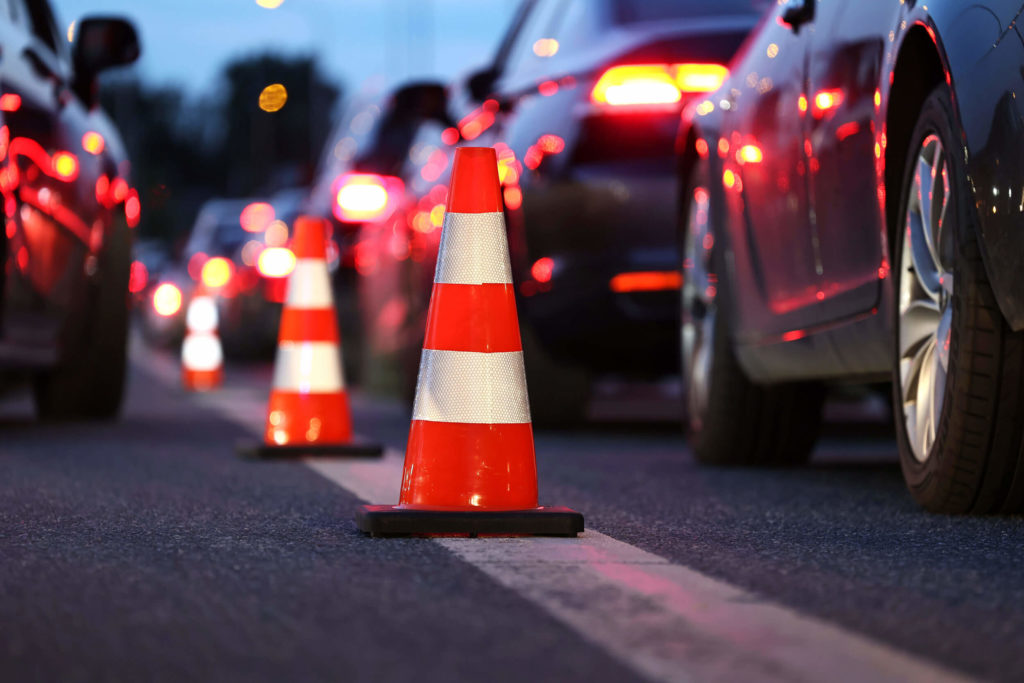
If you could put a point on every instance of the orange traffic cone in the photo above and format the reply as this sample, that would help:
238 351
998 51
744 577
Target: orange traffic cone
308 412
202 359
469 464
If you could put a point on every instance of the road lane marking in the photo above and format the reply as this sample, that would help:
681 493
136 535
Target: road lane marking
663 620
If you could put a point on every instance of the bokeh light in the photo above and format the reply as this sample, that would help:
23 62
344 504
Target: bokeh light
273 97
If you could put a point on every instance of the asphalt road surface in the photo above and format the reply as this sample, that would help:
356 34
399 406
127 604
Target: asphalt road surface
146 550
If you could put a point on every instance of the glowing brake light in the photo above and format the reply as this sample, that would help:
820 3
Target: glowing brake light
217 272
825 100
65 165
366 197
276 262
655 84
750 154
167 300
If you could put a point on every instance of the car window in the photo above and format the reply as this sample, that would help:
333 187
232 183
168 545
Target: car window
532 44
633 11
36 15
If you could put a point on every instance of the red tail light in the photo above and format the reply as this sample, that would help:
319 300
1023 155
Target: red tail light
65 165
632 85
138 277
366 197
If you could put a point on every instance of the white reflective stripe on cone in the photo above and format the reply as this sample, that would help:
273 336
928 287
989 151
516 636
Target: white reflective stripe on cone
309 285
308 368
471 387
474 250
201 315
201 352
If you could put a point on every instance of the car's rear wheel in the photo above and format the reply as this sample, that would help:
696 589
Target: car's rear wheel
89 383
958 377
731 420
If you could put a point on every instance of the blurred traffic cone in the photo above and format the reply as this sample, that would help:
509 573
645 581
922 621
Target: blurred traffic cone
202 360
469 464
308 412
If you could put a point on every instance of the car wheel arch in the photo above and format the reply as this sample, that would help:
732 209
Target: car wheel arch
919 68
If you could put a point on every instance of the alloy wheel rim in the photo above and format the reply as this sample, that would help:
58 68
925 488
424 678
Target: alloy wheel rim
925 297
698 306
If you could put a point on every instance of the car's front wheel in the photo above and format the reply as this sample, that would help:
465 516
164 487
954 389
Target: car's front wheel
731 420
89 383
958 377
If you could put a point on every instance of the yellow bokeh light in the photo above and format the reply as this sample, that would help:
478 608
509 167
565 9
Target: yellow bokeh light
269 4
545 47
273 97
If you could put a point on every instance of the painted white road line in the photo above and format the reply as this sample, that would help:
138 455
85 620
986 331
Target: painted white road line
665 621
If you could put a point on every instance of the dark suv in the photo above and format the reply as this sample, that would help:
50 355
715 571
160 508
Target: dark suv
68 211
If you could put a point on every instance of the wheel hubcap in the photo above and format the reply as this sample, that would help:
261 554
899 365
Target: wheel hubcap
925 297
698 304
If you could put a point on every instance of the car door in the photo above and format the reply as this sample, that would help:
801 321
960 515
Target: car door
47 240
765 172
846 54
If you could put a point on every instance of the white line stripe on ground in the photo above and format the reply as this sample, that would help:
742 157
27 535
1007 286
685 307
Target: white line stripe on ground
665 621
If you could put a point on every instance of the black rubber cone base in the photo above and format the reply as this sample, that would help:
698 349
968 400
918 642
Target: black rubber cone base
390 520
255 450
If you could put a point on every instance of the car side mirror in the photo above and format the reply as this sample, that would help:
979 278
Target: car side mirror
420 101
407 108
797 12
481 84
101 43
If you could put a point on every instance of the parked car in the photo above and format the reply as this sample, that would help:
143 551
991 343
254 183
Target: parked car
238 250
852 203
69 209
582 103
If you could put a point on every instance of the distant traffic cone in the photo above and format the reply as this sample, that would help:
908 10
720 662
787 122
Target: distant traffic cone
308 413
469 464
202 359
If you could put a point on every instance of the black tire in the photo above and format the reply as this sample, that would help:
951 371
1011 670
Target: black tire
975 464
559 392
743 423
89 382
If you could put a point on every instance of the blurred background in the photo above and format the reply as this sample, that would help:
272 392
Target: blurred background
187 109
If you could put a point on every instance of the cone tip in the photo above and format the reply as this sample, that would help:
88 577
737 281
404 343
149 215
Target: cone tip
474 186
310 239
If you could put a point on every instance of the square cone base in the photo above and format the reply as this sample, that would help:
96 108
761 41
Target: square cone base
257 450
391 520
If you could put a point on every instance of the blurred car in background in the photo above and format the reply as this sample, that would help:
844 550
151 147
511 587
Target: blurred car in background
852 212
68 210
360 189
582 104
238 250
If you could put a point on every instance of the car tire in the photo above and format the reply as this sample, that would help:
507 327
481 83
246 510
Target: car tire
89 382
962 454
730 419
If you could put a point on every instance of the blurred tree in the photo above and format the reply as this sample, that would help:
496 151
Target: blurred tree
263 151
184 152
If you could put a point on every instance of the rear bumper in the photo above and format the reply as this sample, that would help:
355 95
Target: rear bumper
598 222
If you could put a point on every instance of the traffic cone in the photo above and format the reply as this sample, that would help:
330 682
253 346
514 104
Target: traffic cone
469 464
202 359
308 412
